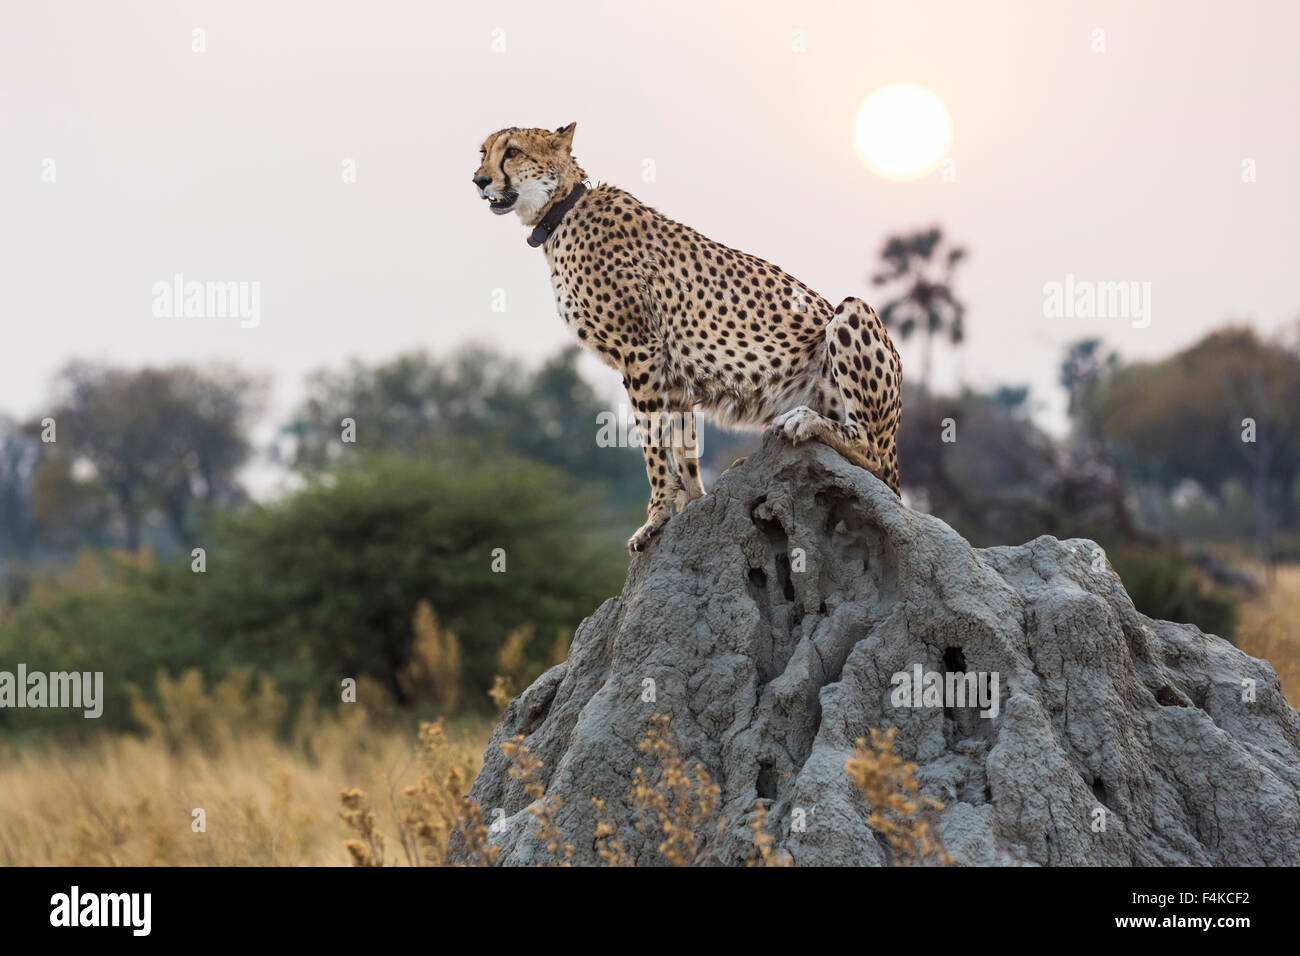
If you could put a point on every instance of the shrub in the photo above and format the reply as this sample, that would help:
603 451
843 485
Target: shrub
330 583
1168 587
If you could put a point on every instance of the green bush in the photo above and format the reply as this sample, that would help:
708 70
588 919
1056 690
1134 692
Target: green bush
1167 587
325 584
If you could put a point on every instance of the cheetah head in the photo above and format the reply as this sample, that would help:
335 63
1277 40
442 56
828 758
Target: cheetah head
522 170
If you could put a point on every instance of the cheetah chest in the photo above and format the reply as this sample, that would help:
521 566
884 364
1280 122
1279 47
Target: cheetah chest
587 307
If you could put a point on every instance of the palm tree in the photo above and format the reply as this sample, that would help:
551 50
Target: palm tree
919 268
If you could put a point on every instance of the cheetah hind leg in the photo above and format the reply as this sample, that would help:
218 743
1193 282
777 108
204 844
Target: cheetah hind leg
686 463
802 424
864 370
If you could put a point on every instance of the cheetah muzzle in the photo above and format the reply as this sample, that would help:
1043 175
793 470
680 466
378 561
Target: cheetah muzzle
693 325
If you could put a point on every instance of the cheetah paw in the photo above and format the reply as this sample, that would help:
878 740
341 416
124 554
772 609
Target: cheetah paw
641 540
799 425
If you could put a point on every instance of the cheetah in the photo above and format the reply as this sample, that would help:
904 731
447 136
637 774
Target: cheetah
692 324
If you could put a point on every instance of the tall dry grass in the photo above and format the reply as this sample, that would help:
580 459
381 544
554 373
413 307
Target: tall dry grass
266 800
215 782
1270 627
675 808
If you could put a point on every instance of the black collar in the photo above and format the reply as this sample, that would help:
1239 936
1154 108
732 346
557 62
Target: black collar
552 218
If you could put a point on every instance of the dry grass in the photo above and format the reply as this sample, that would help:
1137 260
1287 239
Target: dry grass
122 801
764 841
434 668
1270 628
328 795
213 783
680 803
427 814
675 804
524 766
906 820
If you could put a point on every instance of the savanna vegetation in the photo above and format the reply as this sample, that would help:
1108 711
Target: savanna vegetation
359 632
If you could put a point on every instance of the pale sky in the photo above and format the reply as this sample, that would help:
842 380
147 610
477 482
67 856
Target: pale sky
1122 165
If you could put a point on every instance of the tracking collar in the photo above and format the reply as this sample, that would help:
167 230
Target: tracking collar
552 218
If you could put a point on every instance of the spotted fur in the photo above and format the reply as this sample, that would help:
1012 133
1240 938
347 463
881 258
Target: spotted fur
690 323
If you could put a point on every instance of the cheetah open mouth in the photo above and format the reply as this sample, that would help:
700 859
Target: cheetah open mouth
500 204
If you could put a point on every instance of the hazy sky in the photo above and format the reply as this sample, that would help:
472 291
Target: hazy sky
1122 165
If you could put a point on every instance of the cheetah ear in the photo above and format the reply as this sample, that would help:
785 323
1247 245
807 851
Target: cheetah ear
565 135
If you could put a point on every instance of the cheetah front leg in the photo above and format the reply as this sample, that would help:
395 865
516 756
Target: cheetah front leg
646 393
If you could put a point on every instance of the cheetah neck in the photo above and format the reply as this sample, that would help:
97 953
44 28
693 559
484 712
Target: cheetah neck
571 176
543 230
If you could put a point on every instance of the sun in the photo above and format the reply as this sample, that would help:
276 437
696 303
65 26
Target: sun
902 131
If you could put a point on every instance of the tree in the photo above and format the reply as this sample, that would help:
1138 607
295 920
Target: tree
327 584
1086 363
1225 411
327 581
991 484
410 405
919 269
19 455
1094 473
156 441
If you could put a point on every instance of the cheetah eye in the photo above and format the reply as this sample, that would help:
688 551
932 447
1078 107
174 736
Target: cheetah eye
512 152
